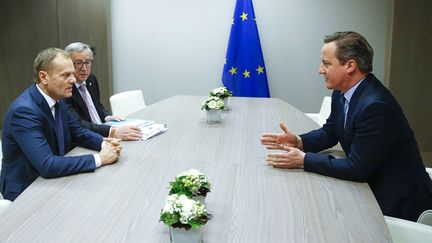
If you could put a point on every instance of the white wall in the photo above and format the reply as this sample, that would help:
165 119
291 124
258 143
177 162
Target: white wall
169 47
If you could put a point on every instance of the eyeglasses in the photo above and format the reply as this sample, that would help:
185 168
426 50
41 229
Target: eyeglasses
79 64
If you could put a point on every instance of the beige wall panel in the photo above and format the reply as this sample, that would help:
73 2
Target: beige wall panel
26 28
88 21
410 78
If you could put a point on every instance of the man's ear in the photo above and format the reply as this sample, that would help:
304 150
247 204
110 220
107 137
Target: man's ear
43 76
351 66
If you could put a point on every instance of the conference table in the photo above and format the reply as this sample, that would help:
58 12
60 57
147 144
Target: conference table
250 201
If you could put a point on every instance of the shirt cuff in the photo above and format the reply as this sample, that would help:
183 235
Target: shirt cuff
98 161
111 132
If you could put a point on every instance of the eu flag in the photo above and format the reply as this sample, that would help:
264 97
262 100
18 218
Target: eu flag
244 71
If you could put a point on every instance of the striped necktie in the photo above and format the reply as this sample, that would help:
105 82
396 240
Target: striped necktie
90 107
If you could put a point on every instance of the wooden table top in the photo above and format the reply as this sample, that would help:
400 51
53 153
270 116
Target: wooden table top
250 201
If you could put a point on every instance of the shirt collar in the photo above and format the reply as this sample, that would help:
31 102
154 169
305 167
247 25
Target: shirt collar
51 102
348 95
78 85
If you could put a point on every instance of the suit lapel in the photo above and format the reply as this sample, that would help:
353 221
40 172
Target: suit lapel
90 88
46 113
41 102
94 93
65 122
353 109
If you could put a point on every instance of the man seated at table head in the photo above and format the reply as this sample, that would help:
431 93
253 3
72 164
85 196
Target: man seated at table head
369 124
85 102
38 130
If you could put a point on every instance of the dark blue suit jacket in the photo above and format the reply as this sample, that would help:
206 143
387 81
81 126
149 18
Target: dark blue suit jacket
30 145
381 150
78 108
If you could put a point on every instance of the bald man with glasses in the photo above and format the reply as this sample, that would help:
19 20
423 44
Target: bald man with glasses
85 102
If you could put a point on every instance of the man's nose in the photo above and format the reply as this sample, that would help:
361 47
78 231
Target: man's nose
72 79
321 69
84 67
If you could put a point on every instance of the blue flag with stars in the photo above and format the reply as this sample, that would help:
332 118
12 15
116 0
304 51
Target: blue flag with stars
244 71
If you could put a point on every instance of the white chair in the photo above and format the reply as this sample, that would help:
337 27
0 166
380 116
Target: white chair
321 117
4 204
127 102
429 171
404 231
426 218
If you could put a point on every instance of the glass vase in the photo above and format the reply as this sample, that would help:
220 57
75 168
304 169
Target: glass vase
225 101
200 199
214 116
180 235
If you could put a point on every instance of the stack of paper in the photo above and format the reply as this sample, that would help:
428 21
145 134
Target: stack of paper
148 128
153 130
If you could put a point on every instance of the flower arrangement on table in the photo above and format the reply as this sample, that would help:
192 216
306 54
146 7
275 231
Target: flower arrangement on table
221 92
190 183
182 212
213 103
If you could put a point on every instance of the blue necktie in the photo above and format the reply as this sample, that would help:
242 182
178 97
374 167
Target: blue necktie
345 109
59 129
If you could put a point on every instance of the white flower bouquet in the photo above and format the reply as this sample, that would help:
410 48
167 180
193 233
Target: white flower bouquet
213 103
190 183
221 92
183 212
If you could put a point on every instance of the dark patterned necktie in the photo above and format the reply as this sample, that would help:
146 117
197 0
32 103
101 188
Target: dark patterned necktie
59 129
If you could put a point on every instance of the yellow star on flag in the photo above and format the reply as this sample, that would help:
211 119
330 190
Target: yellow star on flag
233 70
260 69
244 16
246 74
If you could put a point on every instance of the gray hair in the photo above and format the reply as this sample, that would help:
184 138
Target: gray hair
79 47
352 45
44 59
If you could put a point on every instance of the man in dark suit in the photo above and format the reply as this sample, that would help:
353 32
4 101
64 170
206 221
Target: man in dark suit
369 124
85 102
38 130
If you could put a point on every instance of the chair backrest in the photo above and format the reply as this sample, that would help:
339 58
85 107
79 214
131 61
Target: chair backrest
408 231
127 102
429 171
325 110
4 204
426 218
